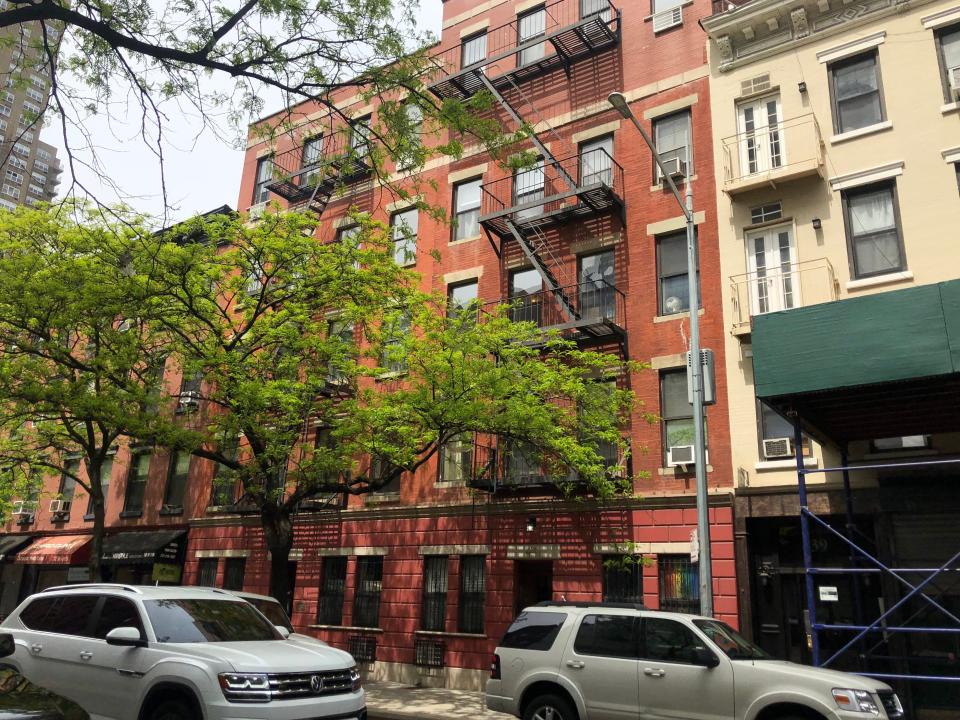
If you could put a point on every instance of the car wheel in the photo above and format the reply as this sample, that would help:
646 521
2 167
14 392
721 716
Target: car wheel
550 707
172 710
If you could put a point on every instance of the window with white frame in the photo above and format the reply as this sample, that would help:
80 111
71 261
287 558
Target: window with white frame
948 50
466 209
531 25
404 228
671 136
473 49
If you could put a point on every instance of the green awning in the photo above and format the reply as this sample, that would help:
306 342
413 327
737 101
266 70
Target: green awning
875 366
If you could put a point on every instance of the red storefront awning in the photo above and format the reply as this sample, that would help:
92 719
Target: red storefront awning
57 550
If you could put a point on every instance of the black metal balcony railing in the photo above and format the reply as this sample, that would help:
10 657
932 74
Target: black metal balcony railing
553 191
571 31
319 166
600 309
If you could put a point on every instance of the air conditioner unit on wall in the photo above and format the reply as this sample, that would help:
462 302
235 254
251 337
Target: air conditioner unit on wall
666 19
59 507
22 508
674 166
776 448
189 399
680 455
954 75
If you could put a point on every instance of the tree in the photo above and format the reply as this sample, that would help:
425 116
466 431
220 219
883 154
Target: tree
335 374
78 369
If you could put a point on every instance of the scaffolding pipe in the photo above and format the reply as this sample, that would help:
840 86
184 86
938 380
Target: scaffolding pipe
878 466
805 540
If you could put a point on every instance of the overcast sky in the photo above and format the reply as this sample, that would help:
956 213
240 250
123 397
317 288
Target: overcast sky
202 172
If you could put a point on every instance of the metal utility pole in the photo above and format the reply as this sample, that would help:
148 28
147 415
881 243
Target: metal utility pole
619 102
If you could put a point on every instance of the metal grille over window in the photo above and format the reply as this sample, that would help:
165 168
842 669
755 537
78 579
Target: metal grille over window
233 572
622 579
472 593
679 584
330 611
207 572
428 653
434 592
366 603
363 648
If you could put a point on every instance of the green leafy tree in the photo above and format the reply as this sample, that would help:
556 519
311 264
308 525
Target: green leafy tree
78 369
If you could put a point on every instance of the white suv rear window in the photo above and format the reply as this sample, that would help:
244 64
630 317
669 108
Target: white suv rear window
533 630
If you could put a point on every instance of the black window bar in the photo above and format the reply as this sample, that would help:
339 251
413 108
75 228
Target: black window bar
363 648
622 579
428 653
472 594
434 592
330 610
679 584
366 602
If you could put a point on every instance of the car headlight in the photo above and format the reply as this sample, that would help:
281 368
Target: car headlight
855 700
355 678
245 687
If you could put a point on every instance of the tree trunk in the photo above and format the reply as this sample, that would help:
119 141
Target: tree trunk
94 565
278 535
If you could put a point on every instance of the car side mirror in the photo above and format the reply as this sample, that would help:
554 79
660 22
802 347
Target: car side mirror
283 631
705 657
126 637
7 645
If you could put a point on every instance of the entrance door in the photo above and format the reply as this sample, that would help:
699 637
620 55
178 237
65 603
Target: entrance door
533 580
760 129
771 259
598 286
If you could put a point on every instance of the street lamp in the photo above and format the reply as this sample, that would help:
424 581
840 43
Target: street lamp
619 103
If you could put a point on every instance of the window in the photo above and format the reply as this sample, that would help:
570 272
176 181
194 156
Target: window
224 484
679 584
672 277
525 296
766 213
595 7
341 332
65 615
312 152
530 25
408 155
332 584
622 579
948 47
855 90
207 572
6 110
456 459
528 188
675 410
233 569
598 286
523 464
404 231
393 355
434 593
533 630
773 426
897 444
177 476
106 469
137 482
360 136
14 176
773 278
264 175
873 233
472 594
461 297
348 234
761 135
366 602
669 641
11 190
116 613
466 209
608 636
657 6
596 161
68 482
473 49
671 135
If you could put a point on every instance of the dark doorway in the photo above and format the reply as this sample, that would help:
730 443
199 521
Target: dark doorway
533 580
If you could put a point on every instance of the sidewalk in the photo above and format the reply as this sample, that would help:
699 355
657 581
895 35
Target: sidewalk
394 701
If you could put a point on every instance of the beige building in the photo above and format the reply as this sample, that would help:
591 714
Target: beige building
838 157
29 168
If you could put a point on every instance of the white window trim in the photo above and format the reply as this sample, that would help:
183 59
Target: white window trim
670 107
853 47
860 132
939 19
595 132
865 177
951 155
884 279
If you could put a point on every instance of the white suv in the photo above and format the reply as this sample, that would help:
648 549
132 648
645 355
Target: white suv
177 653
568 661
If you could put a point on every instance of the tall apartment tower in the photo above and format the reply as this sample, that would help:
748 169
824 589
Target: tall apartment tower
425 576
30 168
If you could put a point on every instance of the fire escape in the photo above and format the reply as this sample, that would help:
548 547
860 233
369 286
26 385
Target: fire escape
551 192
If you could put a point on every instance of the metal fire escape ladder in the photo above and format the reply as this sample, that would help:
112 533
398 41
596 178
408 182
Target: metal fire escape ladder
549 279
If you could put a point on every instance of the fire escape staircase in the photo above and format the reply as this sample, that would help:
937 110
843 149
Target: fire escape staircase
313 185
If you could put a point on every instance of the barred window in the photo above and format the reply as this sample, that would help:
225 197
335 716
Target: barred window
207 572
434 592
233 570
472 593
622 579
366 601
679 584
332 583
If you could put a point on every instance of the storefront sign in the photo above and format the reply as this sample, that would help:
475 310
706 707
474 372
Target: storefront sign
829 593
166 573
78 574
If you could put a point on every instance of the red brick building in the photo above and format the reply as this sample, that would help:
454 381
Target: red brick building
431 572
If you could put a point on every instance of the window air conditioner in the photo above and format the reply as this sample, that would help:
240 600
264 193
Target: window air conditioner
59 507
678 455
666 19
954 75
255 212
189 399
22 508
674 166
776 448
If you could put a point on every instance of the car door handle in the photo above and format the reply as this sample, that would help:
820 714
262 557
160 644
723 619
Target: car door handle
85 654
575 664
36 648
654 672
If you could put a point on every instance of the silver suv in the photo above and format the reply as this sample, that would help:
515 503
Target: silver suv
177 653
567 661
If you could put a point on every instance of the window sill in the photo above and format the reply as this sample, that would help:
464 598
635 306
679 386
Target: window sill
860 132
346 627
440 633
388 376
463 241
130 514
676 316
448 485
382 498
884 279
178 510
212 509
950 108
789 463
664 188
672 471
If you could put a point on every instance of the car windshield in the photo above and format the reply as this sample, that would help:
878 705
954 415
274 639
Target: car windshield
273 610
197 621
730 641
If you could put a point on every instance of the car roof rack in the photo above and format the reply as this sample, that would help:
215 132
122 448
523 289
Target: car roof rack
613 605
94 586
